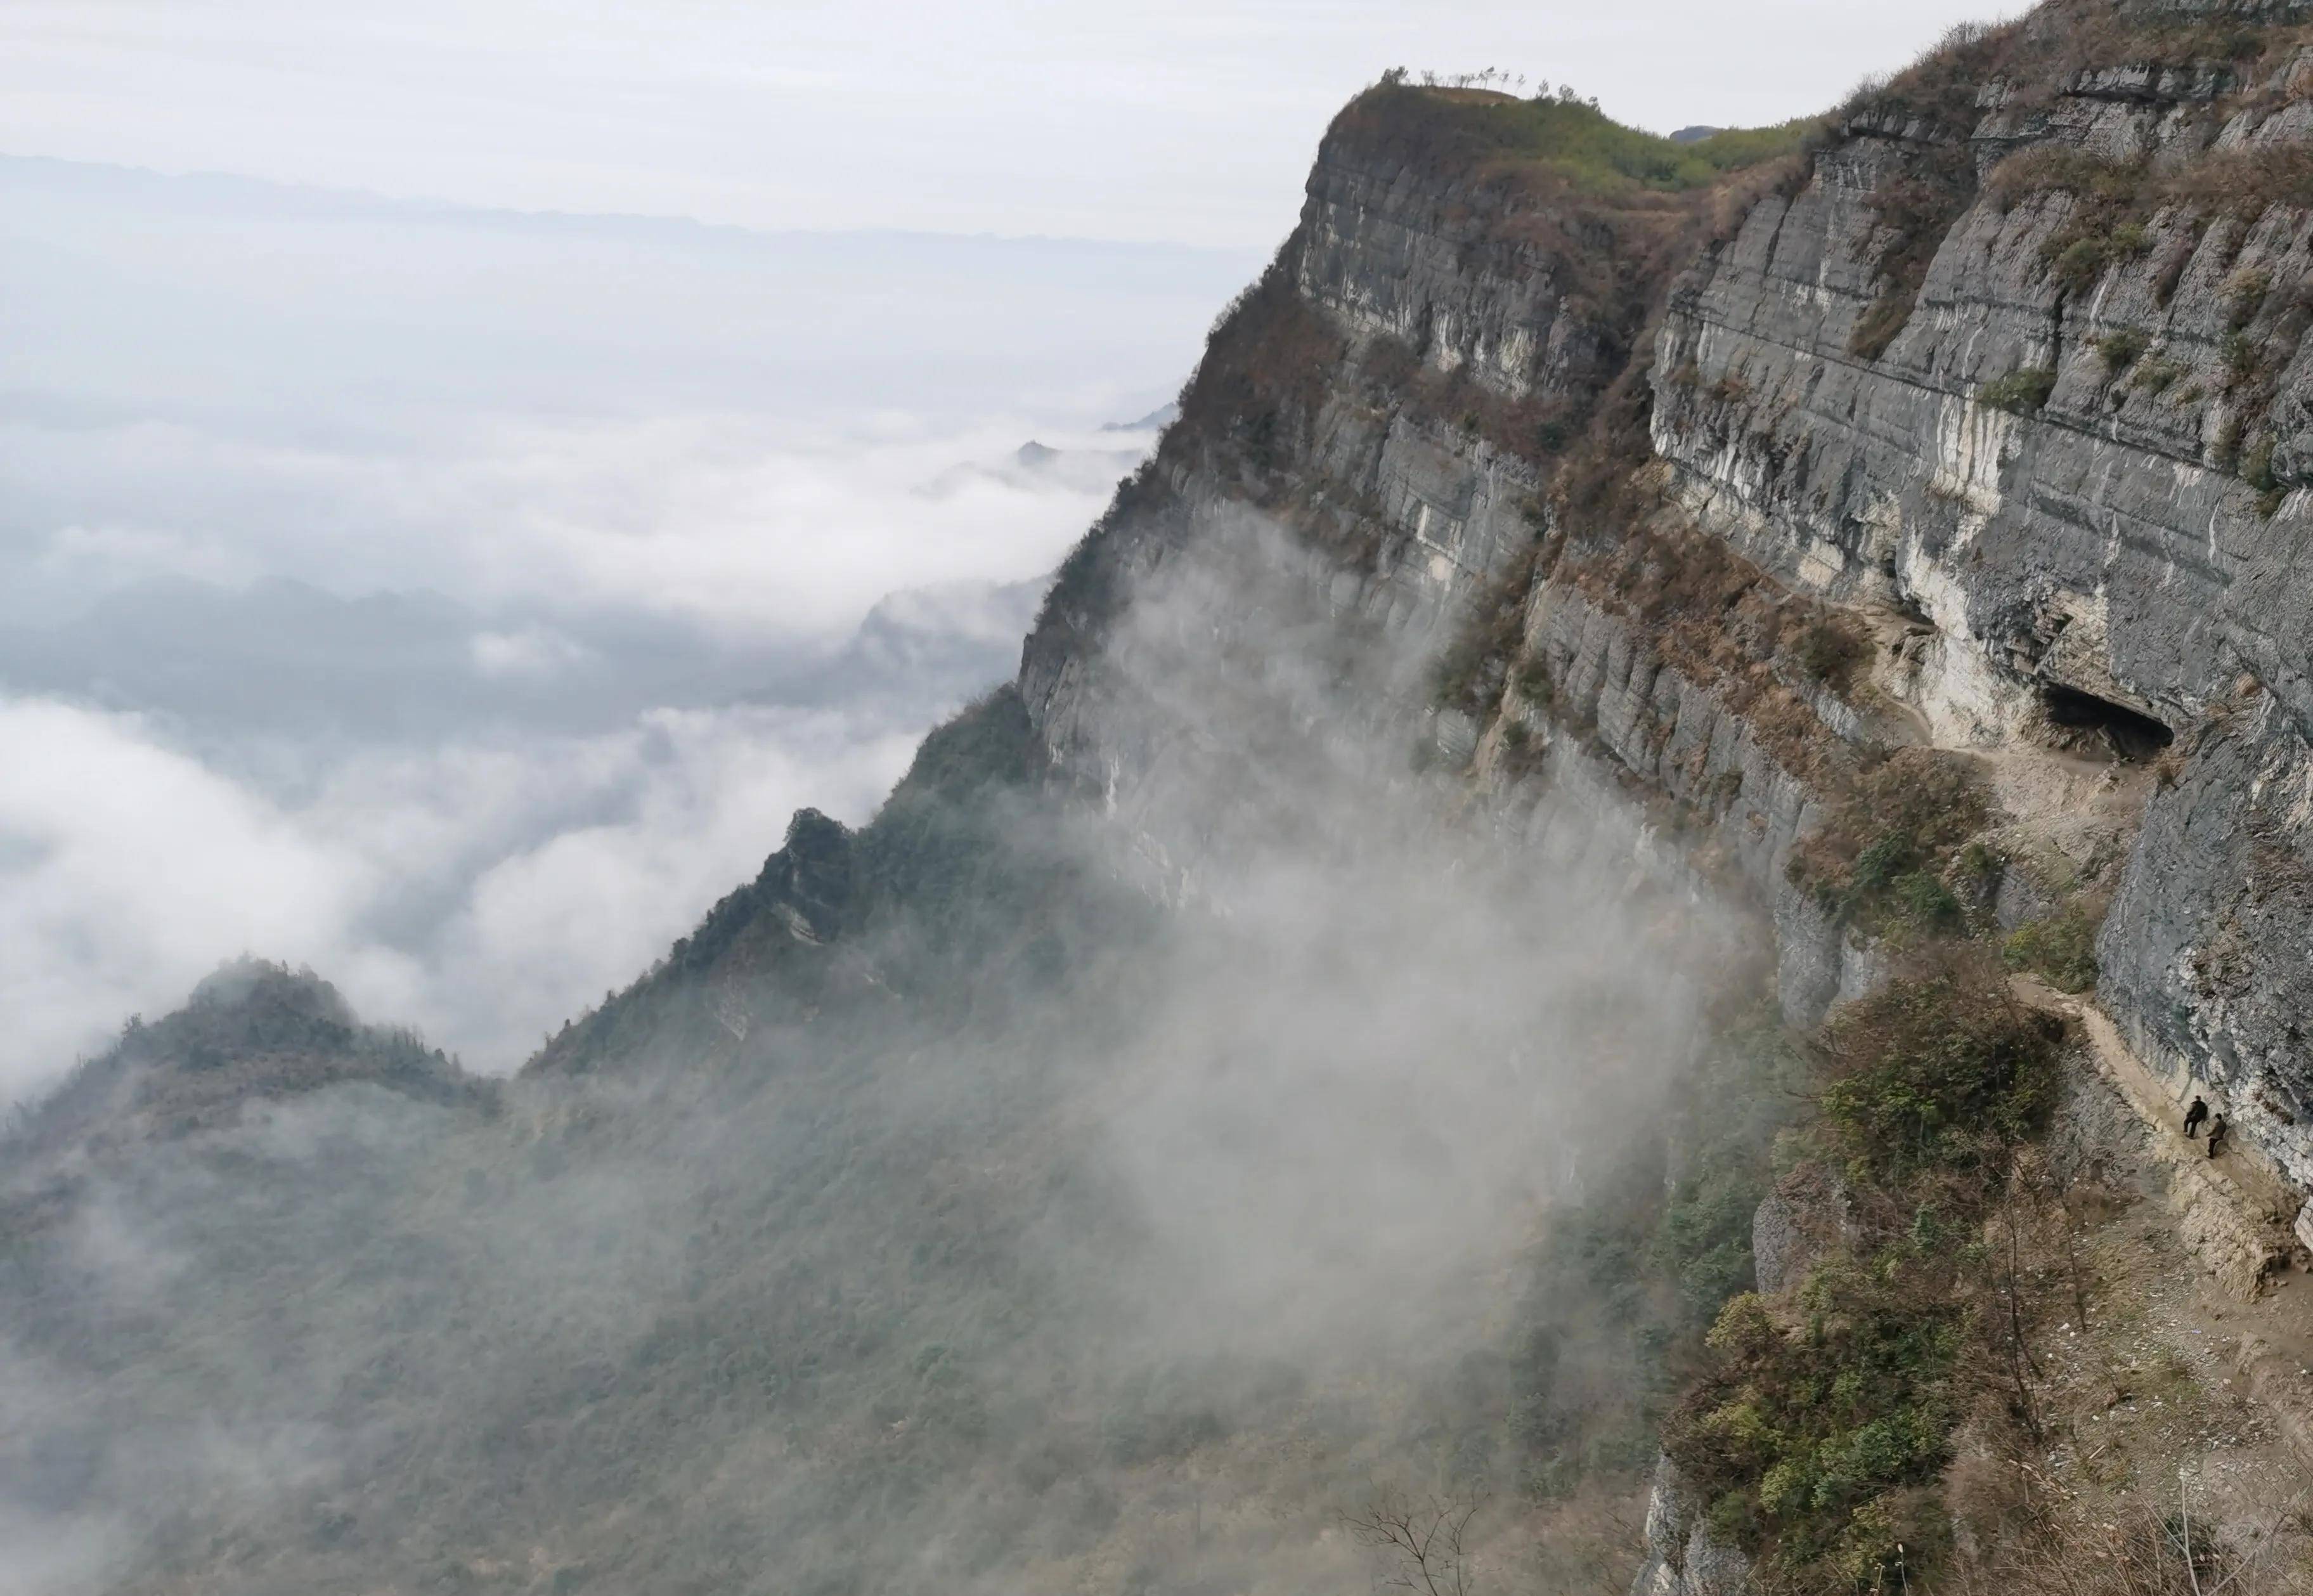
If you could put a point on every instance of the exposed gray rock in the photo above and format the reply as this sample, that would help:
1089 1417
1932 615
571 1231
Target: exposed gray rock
1392 252
1776 1245
2105 544
2095 547
1804 1218
2208 953
1681 741
1681 1558
2019 899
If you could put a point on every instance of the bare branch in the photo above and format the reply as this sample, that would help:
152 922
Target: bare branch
1419 1544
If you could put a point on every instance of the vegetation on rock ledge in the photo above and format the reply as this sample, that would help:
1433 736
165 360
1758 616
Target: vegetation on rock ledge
1822 1423
1472 129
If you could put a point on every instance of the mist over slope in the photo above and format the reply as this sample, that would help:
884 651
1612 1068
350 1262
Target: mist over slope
973 1201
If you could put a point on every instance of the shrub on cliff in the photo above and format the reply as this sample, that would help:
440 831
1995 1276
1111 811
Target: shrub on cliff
1832 654
1820 1426
2060 949
1895 837
2021 392
2122 349
1943 1073
1809 1440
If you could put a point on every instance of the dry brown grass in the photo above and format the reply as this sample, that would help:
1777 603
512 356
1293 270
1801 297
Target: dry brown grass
2240 183
1700 608
2140 1552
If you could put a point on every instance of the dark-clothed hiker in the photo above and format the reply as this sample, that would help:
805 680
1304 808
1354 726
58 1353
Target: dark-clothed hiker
2218 1129
2195 1117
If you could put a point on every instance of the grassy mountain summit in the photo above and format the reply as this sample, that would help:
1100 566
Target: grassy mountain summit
1470 131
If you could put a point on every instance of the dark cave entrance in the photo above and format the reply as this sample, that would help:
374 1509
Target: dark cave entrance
2087 724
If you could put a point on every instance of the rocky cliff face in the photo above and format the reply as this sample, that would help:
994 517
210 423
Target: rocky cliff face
1393 399
1978 437
1681 1558
2072 470
2008 376
1390 251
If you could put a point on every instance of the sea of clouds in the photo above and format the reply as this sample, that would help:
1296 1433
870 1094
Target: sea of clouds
459 602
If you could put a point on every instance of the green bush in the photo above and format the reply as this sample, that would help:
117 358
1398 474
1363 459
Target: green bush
1878 867
1937 1072
2257 465
1802 1439
2021 392
2060 949
2079 264
1926 903
1820 1426
1921 810
2122 349
1534 684
2244 294
2077 260
2240 352
2157 374
1829 653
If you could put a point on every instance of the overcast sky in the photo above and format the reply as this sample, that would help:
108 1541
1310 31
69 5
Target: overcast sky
1190 120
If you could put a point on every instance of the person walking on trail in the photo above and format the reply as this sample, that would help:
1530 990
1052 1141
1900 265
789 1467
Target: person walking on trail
2218 1129
2194 1118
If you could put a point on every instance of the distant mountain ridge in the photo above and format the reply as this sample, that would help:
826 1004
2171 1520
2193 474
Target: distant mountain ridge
252 1032
225 194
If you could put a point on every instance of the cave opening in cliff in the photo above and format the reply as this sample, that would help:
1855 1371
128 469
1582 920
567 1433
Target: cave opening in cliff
2087 724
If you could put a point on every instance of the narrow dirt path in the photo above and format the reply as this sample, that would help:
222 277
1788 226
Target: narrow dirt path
2235 1215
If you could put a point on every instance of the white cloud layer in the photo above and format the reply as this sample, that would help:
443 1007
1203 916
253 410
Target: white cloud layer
744 522
460 605
483 891
547 827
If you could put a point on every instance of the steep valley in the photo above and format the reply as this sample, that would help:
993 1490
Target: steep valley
1595 907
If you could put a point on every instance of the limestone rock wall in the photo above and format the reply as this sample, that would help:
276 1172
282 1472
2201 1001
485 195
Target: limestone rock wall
2037 486
1893 387
1390 251
1675 740
1419 512
2209 952
2104 541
